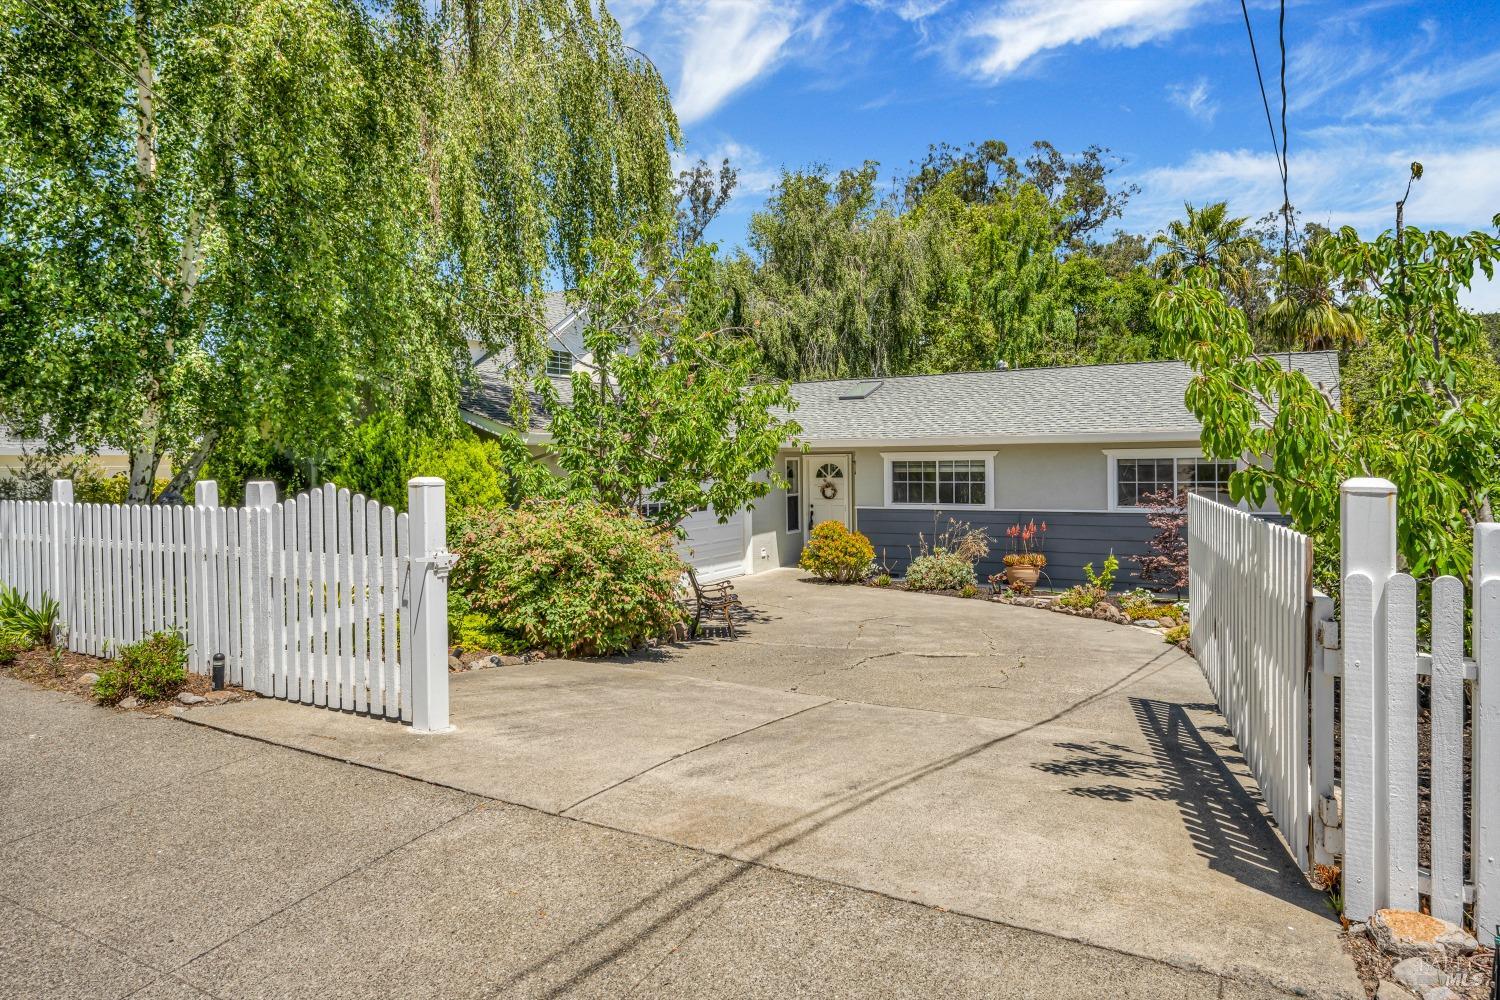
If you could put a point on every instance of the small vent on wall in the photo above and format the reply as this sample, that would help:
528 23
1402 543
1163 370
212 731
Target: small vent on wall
861 390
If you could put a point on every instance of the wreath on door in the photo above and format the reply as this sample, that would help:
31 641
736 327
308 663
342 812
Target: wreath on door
829 489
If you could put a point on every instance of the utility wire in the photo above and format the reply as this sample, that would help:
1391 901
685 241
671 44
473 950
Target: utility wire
1278 145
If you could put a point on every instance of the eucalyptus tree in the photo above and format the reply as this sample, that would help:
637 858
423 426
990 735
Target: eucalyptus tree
265 219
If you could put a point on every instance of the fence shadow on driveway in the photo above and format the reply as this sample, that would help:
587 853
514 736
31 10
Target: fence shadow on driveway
1227 824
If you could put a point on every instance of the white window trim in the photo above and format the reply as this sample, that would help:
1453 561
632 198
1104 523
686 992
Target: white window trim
788 465
1115 454
988 457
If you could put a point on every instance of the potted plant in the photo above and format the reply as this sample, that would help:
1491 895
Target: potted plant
1024 561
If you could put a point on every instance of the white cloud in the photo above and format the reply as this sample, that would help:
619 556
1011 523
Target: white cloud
1195 100
729 43
1335 185
1005 40
756 176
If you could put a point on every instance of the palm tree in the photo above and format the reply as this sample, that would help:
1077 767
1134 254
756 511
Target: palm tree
1208 243
1308 315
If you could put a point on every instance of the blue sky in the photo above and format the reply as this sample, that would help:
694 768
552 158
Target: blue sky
1168 85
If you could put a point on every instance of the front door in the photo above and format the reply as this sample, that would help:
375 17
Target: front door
829 487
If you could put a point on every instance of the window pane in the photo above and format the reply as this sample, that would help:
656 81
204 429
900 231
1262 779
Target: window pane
559 363
1204 477
793 512
1139 480
913 482
961 481
791 476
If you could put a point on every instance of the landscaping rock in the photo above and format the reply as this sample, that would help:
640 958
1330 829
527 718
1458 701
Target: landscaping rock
216 697
131 702
455 664
88 679
1417 974
1440 993
1388 990
1405 933
1459 942
188 698
505 660
1148 623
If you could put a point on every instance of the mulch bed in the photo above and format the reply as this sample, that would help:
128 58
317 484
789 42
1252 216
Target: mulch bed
61 670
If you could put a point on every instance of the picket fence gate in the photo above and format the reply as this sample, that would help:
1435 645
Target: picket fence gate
1345 781
327 598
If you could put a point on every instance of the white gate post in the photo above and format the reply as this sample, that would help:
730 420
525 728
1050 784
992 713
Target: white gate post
1367 536
260 497
1485 781
60 530
427 603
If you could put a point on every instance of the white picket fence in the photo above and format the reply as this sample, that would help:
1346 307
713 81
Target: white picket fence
1249 584
328 598
1382 671
1344 782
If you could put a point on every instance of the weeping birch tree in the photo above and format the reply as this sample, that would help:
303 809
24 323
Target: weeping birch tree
232 220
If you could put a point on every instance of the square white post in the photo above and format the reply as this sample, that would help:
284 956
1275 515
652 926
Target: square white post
1485 836
60 531
260 497
1367 536
427 603
205 493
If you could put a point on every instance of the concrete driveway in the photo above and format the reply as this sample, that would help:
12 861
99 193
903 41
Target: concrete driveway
1065 777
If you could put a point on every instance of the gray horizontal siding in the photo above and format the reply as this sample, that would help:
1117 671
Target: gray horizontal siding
1073 538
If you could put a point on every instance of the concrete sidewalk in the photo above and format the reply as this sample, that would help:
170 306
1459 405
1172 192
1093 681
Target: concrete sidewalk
140 857
1098 800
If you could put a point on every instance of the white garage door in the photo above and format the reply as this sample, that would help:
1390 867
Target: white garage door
716 551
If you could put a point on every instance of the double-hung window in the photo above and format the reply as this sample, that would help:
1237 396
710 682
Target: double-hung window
1141 480
939 480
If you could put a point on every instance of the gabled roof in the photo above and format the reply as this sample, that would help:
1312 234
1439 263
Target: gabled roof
491 395
1143 400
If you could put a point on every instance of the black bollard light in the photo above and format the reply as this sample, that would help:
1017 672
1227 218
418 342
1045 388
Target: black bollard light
218 662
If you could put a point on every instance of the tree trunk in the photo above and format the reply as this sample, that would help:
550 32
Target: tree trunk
145 455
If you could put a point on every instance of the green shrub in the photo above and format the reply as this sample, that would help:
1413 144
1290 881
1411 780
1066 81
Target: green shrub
969 590
27 625
940 570
482 473
152 669
10 648
833 552
569 577
882 580
1178 633
1136 599
1083 597
1105 580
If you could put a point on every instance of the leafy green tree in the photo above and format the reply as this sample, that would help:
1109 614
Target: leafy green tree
832 284
250 224
1431 426
668 414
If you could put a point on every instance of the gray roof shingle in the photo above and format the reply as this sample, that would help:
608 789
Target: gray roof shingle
1102 402
1022 404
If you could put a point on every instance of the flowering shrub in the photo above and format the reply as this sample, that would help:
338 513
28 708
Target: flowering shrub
836 553
940 570
1086 596
571 577
1025 542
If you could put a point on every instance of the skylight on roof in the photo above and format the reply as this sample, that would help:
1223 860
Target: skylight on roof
861 390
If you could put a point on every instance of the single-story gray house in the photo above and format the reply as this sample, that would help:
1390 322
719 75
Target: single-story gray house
899 457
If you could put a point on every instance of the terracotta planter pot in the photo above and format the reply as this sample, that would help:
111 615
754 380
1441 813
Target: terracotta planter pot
1023 576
